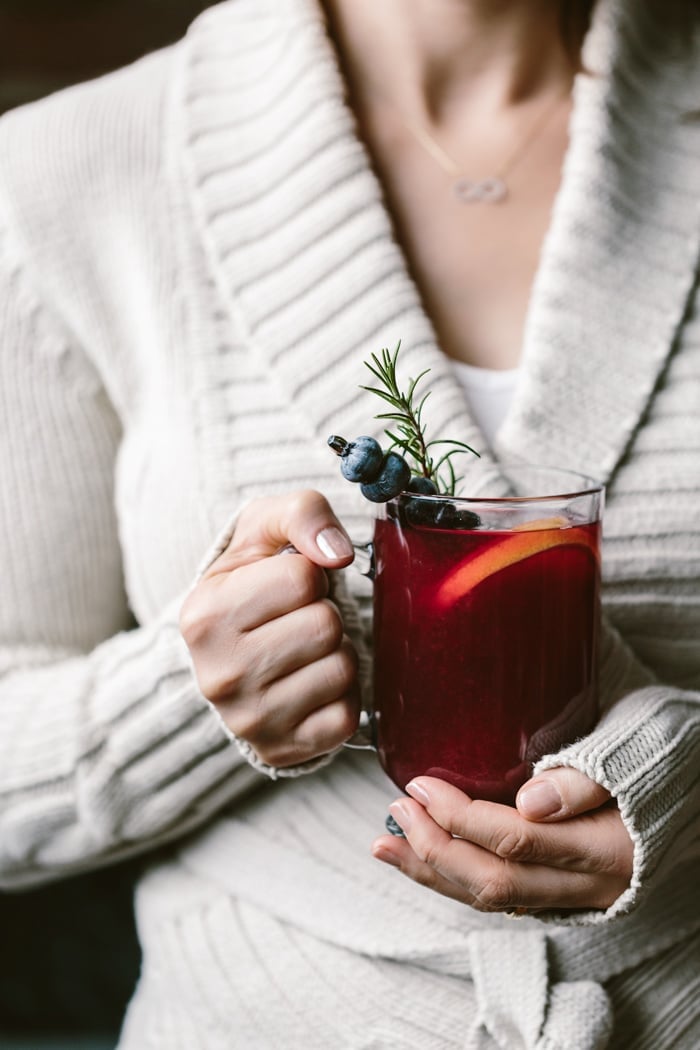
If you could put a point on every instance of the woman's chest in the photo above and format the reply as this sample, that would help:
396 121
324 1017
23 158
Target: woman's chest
474 259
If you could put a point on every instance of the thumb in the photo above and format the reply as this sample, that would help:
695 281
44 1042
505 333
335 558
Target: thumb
558 794
301 521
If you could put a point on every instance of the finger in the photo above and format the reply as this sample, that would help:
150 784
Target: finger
322 730
303 519
265 590
397 853
587 845
271 716
487 882
281 646
291 700
558 794
325 729
249 662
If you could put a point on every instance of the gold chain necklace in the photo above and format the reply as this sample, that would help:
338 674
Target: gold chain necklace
492 189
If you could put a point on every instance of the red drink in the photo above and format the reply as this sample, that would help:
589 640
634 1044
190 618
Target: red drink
485 648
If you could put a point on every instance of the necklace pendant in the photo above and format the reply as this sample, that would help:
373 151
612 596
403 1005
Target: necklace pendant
480 191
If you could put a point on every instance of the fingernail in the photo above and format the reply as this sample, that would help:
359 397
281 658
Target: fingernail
400 815
418 792
332 543
393 828
539 800
386 856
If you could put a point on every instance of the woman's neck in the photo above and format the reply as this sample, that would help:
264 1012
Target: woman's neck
428 58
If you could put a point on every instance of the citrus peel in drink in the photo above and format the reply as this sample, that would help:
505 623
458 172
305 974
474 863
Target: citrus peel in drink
515 546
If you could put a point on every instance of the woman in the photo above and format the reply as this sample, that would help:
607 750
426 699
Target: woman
197 253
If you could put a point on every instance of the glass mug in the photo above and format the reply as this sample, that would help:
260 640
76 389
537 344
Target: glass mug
486 617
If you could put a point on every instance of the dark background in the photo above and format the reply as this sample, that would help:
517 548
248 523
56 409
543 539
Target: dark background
47 44
68 953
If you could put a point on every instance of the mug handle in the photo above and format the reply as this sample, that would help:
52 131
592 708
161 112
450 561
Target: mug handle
363 737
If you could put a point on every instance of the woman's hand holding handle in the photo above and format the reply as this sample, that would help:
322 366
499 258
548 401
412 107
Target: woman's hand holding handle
268 645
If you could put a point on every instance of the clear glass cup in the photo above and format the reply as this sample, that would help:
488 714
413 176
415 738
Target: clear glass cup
486 618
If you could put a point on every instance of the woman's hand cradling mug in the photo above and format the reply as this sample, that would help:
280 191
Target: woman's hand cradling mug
565 846
268 645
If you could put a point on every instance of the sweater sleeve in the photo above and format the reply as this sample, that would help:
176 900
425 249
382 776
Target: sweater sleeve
107 746
645 750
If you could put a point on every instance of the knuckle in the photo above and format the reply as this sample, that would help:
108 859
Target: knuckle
424 876
347 718
280 757
306 503
311 738
621 866
300 747
429 853
328 625
496 894
248 723
221 689
222 681
212 687
607 860
303 580
195 621
341 671
293 751
515 845
432 856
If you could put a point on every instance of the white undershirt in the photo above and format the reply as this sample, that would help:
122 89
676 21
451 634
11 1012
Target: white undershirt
489 393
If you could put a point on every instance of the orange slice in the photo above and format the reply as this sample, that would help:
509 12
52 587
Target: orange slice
514 547
558 522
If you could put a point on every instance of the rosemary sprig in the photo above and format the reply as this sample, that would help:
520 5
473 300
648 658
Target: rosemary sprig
408 431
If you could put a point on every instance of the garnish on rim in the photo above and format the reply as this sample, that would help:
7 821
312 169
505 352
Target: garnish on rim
408 433
384 474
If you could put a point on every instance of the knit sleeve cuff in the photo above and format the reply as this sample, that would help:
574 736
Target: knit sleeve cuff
646 752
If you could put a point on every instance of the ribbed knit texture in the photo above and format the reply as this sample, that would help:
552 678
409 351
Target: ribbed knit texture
194 259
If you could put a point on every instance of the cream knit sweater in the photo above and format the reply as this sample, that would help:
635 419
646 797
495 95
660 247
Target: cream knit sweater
194 259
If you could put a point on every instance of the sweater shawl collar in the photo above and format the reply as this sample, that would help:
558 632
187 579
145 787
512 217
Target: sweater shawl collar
303 250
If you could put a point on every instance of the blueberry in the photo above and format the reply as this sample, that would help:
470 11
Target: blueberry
440 514
422 485
360 460
421 512
394 475
450 516
447 516
467 519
